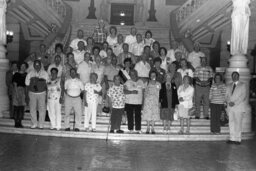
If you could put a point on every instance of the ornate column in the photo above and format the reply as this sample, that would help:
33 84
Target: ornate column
152 11
4 63
92 10
239 44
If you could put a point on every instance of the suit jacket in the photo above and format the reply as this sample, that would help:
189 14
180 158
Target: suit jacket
238 97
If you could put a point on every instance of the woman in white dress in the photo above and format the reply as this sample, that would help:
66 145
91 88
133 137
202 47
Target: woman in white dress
185 96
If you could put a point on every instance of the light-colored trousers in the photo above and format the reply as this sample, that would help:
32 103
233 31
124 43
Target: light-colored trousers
235 124
90 113
54 111
202 94
76 105
37 102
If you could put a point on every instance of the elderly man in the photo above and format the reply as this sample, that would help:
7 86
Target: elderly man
125 54
236 95
137 48
194 57
143 68
73 88
36 82
131 38
79 53
84 69
118 48
80 37
100 34
203 77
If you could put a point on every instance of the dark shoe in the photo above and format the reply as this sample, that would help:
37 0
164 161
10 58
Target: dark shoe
147 132
76 130
16 125
207 118
230 142
197 117
153 132
120 131
67 129
111 131
237 143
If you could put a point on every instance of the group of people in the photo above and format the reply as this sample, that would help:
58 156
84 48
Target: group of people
132 76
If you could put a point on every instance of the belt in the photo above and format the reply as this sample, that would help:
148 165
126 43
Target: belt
73 96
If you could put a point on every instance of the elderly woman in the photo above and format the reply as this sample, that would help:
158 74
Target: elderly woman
155 49
112 37
19 95
60 52
169 96
90 45
217 99
148 40
165 60
184 70
160 77
125 72
54 99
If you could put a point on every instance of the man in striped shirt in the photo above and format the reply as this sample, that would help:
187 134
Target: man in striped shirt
203 77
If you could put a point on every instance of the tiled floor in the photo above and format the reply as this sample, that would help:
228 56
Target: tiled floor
36 153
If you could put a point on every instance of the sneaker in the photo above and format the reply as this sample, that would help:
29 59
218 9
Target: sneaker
67 129
138 131
119 131
111 131
207 118
76 130
33 127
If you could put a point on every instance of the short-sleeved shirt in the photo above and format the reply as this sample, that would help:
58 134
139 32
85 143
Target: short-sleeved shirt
137 48
74 87
74 43
130 39
111 41
84 70
99 35
90 95
203 73
116 93
142 69
37 79
78 56
66 69
187 72
134 98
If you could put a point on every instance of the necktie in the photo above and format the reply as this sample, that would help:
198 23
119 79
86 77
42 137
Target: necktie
234 87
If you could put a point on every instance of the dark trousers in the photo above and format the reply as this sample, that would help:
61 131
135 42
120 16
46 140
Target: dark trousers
216 110
18 113
132 110
11 108
116 118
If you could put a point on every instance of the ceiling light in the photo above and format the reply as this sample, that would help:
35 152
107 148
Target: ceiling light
122 14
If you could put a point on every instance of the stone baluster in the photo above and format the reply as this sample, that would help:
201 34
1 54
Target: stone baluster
4 63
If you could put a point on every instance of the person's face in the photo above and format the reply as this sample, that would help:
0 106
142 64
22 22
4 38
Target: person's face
196 48
58 50
133 31
127 64
155 46
172 68
178 56
183 64
98 59
42 48
57 60
109 52
105 45
37 66
23 68
217 79
117 81
235 77
186 80
114 61
89 42
80 34
144 57
120 39
147 50
33 57
80 45
148 36
113 31
109 60
139 38
157 64
73 73
203 61
54 74
153 76
162 52
96 52
133 75
125 48
87 57
14 67
101 24
70 58
93 78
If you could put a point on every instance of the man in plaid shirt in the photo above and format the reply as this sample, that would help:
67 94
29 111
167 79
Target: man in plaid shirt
100 33
203 78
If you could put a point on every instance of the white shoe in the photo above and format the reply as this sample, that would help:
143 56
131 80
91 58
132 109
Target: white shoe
33 127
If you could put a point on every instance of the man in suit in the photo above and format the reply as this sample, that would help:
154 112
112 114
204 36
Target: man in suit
236 104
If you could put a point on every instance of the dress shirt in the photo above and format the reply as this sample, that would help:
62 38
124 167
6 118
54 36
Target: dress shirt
194 58
137 48
78 56
84 70
74 43
74 87
142 69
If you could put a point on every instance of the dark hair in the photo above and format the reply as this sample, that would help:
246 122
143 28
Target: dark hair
88 38
70 53
125 44
157 59
235 72
216 75
93 73
156 42
189 79
59 45
148 32
112 27
146 47
57 56
138 34
183 59
95 47
72 69
54 69
22 63
127 60
14 62
162 48
105 42
151 72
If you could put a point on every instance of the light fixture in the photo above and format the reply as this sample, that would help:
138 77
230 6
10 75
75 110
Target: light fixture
9 36
122 14
228 42
228 45
122 23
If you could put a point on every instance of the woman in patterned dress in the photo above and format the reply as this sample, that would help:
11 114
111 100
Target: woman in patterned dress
151 110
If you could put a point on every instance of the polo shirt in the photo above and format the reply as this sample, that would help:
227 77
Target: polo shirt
84 70
74 87
142 69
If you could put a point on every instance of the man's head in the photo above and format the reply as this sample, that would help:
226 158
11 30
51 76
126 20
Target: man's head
133 31
101 23
96 50
235 76
120 38
203 61
54 73
37 65
183 63
125 47
57 59
127 63
174 45
196 47
80 45
139 38
73 73
178 55
70 57
80 34
114 60
146 50
157 62
14 66
144 57
117 80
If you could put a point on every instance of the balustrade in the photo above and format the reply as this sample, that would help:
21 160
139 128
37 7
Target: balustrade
58 6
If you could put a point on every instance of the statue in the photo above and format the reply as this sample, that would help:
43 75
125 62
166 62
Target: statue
3 6
240 26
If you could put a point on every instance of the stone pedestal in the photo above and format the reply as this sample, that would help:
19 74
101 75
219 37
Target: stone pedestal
4 66
239 63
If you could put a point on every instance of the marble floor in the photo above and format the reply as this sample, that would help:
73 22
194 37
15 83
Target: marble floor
36 153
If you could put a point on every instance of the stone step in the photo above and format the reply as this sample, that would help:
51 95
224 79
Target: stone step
118 137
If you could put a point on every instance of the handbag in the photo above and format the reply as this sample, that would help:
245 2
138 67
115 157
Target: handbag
106 109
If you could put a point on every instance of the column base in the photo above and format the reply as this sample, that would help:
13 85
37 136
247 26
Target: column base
239 64
4 100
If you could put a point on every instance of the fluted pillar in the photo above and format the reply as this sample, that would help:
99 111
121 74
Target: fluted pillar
4 63
239 44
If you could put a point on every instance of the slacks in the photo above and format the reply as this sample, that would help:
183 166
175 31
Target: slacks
116 118
54 112
76 105
216 110
90 113
202 93
133 111
18 113
235 125
37 101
